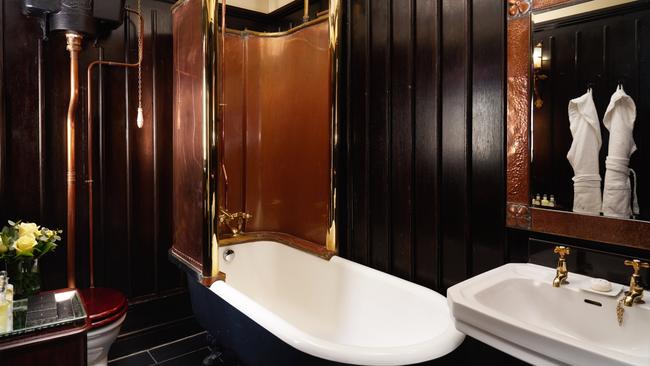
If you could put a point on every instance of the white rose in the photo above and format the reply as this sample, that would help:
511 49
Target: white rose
28 228
25 244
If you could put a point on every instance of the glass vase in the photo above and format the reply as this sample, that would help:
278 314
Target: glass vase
25 275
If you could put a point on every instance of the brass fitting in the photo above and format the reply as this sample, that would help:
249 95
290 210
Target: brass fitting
562 273
635 293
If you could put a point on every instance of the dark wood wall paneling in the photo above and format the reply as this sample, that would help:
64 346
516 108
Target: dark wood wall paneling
425 132
132 166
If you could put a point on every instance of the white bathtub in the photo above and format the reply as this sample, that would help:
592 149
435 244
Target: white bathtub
336 310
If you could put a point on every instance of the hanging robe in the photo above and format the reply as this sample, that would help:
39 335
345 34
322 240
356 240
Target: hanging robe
583 154
619 120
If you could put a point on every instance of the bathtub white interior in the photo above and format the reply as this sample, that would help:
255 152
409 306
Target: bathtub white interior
335 305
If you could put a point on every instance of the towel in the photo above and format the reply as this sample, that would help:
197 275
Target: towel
583 154
619 120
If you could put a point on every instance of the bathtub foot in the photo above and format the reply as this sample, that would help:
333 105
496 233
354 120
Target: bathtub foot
214 358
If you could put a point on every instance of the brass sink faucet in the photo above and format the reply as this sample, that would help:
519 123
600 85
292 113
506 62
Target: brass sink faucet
561 271
635 294
234 221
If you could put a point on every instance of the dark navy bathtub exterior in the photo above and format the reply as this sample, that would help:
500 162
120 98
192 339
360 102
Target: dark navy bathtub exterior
235 332
251 344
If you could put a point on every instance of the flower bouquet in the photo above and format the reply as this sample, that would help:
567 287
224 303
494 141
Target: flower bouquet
22 244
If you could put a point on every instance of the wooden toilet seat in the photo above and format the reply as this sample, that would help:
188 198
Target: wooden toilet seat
103 305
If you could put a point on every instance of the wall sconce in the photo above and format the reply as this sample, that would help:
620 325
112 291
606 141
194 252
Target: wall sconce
537 74
537 56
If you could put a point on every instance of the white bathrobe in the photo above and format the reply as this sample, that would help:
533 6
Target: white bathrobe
583 154
619 120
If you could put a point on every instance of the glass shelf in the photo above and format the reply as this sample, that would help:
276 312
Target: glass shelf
46 310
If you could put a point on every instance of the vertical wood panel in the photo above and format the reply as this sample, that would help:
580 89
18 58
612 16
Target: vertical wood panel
359 119
488 137
455 145
402 138
427 142
41 132
3 142
379 134
429 157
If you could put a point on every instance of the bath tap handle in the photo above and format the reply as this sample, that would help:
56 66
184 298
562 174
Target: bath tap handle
562 251
636 265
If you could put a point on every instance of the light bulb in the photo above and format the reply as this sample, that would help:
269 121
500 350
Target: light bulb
140 120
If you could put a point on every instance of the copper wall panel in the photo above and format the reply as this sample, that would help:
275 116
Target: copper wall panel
235 123
288 163
518 109
603 229
286 86
187 236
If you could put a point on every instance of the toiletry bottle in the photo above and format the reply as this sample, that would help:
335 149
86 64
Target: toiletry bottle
545 201
551 203
4 304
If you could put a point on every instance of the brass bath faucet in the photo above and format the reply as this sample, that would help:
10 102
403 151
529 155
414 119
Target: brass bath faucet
561 273
234 221
635 294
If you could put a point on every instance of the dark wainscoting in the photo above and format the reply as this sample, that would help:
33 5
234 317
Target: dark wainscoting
132 166
425 138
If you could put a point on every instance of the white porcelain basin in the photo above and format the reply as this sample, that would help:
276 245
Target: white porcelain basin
515 308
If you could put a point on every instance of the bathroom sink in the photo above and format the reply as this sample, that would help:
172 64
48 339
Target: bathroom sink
515 308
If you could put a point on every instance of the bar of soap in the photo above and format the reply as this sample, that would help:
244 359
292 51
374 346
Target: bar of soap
601 285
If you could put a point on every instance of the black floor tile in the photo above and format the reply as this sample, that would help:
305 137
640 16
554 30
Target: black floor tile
154 337
189 359
179 347
138 359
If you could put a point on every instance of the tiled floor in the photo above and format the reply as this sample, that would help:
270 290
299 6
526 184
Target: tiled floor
186 351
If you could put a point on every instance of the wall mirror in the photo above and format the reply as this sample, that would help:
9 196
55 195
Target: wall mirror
578 93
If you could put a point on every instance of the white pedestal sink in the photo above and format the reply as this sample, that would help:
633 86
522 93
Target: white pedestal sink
515 309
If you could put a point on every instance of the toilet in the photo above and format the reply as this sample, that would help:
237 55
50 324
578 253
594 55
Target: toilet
106 310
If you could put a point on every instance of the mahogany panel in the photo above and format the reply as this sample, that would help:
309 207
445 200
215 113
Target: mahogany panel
628 233
188 159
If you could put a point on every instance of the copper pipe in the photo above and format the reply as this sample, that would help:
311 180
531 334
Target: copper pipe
73 41
89 121
305 14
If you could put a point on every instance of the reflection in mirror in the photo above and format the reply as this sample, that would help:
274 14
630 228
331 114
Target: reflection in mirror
275 168
591 100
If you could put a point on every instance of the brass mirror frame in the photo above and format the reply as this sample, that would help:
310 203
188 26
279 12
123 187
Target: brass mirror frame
519 213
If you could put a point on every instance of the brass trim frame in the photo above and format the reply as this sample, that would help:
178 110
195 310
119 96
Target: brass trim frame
289 240
335 21
209 137
278 34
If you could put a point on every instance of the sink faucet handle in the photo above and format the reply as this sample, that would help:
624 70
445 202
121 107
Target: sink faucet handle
562 251
636 265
